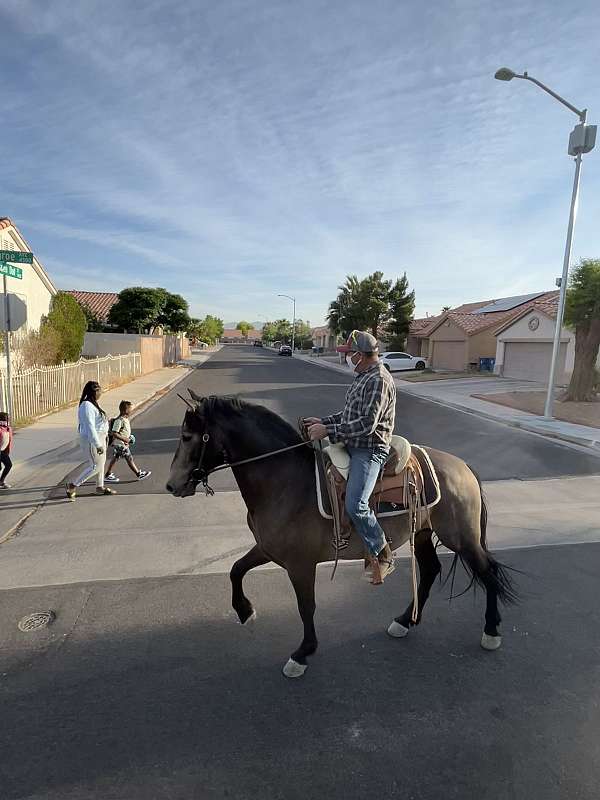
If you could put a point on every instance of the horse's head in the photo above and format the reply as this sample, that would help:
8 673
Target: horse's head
200 449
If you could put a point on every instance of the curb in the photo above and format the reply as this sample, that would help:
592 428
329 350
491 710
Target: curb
325 364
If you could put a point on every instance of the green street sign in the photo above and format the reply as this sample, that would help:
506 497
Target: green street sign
16 257
10 271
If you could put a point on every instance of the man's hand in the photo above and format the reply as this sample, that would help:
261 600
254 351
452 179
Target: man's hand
312 421
317 431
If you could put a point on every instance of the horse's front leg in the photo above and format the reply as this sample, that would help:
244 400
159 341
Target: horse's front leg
429 569
239 601
302 577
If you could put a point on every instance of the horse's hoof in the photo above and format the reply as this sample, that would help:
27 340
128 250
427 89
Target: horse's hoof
293 669
251 620
490 642
397 630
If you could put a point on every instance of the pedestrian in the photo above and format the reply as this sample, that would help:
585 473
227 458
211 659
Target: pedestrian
93 433
122 438
365 426
6 436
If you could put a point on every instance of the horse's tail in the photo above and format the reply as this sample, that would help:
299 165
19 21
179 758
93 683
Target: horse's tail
495 572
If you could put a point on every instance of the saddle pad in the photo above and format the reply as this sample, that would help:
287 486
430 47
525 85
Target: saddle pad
432 486
340 458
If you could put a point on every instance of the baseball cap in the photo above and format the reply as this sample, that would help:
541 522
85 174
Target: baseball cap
360 342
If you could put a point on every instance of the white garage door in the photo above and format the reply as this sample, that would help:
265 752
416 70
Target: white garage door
530 361
449 355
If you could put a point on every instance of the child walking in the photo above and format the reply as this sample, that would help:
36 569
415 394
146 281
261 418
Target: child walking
122 439
5 443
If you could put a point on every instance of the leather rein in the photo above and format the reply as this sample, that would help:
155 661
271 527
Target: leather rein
201 475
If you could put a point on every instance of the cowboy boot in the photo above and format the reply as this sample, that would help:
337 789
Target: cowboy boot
382 566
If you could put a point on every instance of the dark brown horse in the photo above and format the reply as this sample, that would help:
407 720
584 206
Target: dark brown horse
283 515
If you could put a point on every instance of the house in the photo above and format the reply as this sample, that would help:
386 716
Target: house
233 336
35 287
99 303
323 337
524 344
458 339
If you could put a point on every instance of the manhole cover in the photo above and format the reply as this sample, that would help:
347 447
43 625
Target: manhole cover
41 619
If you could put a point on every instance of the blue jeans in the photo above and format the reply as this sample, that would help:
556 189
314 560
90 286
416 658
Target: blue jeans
365 465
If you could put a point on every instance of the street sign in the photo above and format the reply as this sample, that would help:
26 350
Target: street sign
10 271
13 309
16 257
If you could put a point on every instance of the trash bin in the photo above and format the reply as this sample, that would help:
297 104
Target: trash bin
487 364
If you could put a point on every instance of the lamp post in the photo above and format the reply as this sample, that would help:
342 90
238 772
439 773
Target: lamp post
581 140
293 299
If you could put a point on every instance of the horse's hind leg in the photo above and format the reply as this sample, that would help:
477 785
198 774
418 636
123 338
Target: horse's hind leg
429 569
303 581
491 575
239 601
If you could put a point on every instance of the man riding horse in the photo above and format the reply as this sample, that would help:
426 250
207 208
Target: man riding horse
365 426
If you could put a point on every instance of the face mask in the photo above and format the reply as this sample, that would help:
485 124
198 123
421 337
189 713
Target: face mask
352 363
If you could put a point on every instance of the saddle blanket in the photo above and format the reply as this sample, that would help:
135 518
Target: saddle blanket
431 487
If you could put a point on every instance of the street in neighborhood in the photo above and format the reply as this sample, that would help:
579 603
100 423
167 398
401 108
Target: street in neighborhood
145 685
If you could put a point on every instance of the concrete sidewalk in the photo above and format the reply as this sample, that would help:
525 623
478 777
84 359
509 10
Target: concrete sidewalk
457 394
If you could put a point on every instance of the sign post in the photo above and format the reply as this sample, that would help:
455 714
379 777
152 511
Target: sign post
14 257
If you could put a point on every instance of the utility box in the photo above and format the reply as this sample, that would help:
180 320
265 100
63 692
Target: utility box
17 312
582 139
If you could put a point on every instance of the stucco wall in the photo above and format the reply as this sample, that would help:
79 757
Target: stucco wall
35 288
482 345
520 331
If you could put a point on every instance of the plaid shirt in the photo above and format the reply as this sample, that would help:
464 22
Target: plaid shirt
368 416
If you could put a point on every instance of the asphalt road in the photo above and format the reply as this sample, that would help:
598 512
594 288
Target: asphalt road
294 388
148 690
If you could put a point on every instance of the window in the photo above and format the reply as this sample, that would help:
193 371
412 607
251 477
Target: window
398 355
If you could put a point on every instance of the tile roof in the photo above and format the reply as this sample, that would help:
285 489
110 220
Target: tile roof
5 222
99 303
233 333
475 323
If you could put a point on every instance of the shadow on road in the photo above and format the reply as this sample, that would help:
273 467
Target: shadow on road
154 691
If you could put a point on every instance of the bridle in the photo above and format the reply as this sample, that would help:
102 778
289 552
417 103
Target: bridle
201 475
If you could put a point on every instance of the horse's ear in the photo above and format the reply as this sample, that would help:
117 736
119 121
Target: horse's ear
195 396
187 402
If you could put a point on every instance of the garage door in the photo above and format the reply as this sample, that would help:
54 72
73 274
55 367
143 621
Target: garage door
449 355
530 361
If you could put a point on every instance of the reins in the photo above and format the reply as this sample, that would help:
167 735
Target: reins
201 475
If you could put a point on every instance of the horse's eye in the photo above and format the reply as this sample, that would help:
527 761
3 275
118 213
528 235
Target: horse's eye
185 437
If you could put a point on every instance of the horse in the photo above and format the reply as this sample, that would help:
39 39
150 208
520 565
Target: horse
279 491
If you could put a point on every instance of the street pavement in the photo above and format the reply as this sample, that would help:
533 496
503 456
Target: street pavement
145 687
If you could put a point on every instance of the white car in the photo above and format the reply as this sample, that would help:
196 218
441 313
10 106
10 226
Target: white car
395 362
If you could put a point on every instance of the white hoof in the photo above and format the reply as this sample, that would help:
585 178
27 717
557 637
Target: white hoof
397 630
293 669
490 642
251 620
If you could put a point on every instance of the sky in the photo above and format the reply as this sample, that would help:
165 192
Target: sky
233 151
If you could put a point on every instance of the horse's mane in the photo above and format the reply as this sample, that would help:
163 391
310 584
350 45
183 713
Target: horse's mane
268 423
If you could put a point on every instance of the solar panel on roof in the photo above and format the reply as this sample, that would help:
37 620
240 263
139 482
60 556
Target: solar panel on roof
507 303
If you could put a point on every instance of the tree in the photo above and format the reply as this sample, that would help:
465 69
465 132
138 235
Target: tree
278 331
360 304
446 308
208 330
402 309
582 312
173 315
243 327
65 324
302 335
137 309
94 323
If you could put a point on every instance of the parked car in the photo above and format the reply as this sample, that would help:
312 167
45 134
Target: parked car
395 362
285 350
258 343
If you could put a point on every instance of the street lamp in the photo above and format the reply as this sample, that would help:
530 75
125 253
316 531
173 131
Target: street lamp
581 140
293 299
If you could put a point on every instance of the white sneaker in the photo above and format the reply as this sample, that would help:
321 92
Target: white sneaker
143 474
111 478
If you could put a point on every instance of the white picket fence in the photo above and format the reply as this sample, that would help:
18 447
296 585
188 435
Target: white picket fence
39 390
